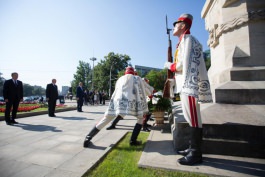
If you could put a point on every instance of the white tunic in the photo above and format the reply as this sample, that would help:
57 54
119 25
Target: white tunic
191 76
129 97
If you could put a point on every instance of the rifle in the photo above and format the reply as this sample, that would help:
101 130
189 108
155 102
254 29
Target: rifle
166 91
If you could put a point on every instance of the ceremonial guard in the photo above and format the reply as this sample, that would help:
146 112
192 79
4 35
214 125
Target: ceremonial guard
128 99
148 92
191 81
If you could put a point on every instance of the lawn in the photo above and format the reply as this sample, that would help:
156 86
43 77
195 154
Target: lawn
122 161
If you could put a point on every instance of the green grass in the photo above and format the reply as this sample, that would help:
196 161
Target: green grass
122 161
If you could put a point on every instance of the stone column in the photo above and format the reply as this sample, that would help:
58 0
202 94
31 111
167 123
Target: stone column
237 42
235 123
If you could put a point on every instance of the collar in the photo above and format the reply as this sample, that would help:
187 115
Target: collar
180 38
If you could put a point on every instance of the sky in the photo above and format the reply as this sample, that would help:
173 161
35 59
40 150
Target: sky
46 39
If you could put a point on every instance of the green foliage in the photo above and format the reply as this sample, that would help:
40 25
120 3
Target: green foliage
150 105
2 80
122 161
83 74
157 79
163 104
112 65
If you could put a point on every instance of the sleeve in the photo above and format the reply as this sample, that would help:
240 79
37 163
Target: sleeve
5 90
77 92
47 91
57 94
21 91
173 67
148 89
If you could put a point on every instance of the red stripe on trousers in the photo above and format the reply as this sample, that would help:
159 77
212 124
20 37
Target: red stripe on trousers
195 112
191 111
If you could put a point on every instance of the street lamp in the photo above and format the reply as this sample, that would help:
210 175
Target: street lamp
93 59
110 80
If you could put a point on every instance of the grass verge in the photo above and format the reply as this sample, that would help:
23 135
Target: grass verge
122 161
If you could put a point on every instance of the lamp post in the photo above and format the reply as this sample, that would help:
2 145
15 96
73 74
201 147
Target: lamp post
110 80
93 59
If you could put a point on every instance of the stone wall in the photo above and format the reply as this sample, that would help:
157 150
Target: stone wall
236 36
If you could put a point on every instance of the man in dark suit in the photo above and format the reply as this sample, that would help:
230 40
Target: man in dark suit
13 94
79 97
51 97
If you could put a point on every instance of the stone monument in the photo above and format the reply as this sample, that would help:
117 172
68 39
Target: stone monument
235 122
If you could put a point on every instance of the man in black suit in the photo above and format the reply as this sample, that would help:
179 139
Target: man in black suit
79 97
51 97
13 94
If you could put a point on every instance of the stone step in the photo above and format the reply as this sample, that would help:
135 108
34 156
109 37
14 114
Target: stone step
228 129
234 139
236 132
248 73
233 148
232 114
241 92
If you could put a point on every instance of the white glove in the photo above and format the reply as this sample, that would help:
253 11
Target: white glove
167 65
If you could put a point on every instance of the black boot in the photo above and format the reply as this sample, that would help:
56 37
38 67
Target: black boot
184 152
146 129
193 154
114 122
91 134
135 133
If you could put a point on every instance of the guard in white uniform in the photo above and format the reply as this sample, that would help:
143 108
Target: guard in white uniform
191 81
127 99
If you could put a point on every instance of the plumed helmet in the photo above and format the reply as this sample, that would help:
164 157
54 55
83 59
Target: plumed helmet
129 70
184 18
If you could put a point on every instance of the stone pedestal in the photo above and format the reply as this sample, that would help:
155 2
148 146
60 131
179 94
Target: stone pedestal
179 128
237 76
235 123
237 41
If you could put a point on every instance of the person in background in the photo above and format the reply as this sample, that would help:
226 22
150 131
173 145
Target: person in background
13 94
191 81
103 97
100 97
41 99
86 97
51 97
91 95
79 97
96 97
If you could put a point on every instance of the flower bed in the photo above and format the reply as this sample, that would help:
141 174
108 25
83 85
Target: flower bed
26 107
23 108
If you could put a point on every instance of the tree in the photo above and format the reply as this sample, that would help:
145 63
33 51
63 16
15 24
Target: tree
27 89
111 66
38 90
157 79
2 80
84 75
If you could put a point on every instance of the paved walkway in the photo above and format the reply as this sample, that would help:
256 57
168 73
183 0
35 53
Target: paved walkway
53 146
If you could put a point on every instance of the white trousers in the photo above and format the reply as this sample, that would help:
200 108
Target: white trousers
191 110
107 118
